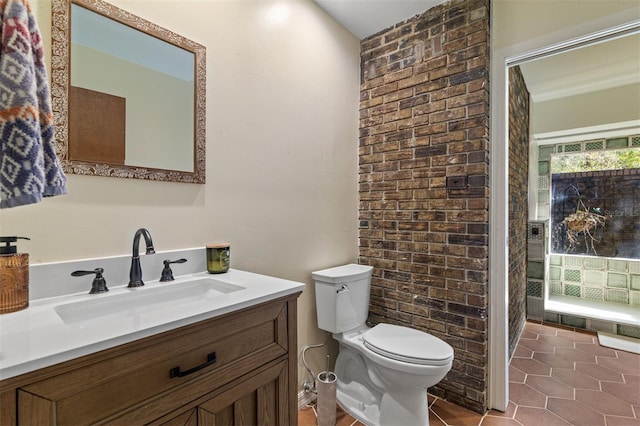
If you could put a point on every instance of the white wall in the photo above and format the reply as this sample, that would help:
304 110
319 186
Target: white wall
613 105
282 145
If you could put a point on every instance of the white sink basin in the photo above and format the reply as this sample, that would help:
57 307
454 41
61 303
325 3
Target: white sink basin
147 303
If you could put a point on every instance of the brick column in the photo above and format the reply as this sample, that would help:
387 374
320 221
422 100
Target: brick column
424 190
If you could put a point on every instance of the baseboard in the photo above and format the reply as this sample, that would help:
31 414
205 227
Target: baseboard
305 399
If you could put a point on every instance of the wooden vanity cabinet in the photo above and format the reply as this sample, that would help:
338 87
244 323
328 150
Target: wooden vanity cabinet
236 369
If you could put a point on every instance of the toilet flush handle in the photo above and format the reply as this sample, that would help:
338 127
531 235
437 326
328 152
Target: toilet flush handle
342 289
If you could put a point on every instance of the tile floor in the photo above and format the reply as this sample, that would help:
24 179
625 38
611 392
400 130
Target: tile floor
556 377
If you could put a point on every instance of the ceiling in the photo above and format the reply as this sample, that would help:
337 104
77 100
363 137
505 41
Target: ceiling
366 17
597 67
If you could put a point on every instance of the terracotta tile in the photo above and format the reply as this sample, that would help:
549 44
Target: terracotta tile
531 366
538 416
489 420
604 403
599 372
550 387
552 360
628 391
516 375
575 355
540 329
623 355
622 365
454 415
527 334
522 352
622 421
557 341
521 394
575 412
577 337
307 417
575 379
434 420
595 349
536 345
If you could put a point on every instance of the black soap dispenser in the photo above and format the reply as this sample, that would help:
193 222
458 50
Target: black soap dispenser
14 276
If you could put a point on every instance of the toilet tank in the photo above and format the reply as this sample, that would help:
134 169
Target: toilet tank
342 297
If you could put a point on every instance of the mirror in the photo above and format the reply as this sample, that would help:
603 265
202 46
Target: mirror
128 96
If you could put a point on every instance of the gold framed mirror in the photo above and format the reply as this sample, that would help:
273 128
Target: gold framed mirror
131 110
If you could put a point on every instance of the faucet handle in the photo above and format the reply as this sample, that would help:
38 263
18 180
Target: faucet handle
167 273
99 284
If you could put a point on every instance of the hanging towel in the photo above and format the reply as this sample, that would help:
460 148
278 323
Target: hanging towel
29 167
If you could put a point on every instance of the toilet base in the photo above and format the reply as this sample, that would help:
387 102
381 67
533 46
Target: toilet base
408 412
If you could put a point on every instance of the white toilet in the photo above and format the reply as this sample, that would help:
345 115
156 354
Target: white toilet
383 372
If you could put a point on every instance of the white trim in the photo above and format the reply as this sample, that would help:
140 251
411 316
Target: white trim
608 34
626 128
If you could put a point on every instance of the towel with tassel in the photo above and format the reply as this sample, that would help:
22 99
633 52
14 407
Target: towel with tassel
29 167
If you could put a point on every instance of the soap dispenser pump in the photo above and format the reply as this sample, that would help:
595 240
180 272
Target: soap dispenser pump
14 276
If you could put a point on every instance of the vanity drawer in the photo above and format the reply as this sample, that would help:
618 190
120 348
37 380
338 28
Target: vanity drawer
131 378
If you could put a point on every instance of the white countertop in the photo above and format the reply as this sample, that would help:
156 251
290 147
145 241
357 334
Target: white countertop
38 337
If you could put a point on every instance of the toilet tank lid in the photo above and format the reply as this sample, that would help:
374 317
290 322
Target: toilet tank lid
341 274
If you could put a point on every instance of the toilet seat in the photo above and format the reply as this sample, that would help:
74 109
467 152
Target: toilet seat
407 345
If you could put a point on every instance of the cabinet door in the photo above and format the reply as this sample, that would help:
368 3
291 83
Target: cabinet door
261 399
187 418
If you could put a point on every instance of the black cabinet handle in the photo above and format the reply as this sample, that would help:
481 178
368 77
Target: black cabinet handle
175 371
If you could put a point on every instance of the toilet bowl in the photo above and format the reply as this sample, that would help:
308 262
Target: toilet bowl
383 371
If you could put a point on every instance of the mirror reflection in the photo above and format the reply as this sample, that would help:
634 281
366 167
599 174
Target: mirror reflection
134 103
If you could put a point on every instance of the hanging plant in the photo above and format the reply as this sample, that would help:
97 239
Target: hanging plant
581 226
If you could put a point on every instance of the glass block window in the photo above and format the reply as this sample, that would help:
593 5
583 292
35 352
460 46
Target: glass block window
534 288
573 261
572 275
543 167
617 265
555 273
543 182
593 263
634 281
572 290
573 147
545 151
594 293
594 278
617 143
593 145
555 260
617 296
555 288
572 321
629 331
599 325
543 197
616 280
634 298
635 141
634 267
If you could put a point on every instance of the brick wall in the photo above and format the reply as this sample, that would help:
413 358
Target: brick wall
518 202
424 189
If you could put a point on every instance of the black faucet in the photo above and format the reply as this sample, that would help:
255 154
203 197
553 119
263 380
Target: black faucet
135 273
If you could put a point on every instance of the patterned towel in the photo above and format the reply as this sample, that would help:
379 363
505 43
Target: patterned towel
29 168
